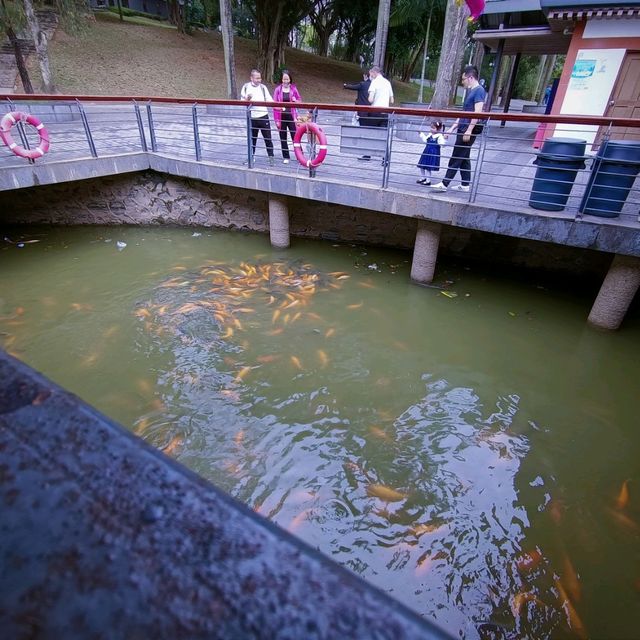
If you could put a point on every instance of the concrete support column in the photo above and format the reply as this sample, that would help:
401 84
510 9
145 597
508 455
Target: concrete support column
616 293
425 251
279 222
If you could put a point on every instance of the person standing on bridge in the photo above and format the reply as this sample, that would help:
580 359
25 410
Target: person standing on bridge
380 95
285 117
467 130
362 98
252 91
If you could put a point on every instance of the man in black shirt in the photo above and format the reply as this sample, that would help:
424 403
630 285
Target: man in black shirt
467 130
362 98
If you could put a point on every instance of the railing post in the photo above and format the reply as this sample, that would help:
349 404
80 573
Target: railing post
386 161
312 142
143 140
595 168
22 133
477 170
152 131
87 130
249 143
196 133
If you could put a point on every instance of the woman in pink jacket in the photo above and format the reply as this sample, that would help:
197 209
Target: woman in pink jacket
285 117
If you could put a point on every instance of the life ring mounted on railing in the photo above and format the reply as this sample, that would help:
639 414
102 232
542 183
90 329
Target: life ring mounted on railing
12 118
313 128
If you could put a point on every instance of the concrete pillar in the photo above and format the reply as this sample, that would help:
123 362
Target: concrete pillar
616 293
279 222
425 251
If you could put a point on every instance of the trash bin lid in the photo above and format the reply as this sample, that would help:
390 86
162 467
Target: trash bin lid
626 150
564 146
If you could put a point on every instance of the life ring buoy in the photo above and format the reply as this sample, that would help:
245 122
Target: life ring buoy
12 118
310 127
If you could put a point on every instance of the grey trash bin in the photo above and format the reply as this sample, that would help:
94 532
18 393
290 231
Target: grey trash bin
558 163
614 171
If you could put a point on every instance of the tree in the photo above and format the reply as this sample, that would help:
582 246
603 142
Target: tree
382 32
448 76
42 49
226 24
11 19
275 19
324 16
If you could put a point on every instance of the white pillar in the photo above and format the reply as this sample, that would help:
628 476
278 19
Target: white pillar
616 293
278 222
425 251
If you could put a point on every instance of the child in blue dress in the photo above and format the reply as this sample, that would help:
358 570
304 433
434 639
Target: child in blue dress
430 158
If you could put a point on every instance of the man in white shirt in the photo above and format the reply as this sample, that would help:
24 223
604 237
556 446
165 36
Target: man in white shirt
254 90
380 95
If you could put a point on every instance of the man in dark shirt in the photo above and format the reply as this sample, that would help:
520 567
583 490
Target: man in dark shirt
362 98
467 129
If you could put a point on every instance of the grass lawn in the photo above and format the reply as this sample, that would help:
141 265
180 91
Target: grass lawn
144 57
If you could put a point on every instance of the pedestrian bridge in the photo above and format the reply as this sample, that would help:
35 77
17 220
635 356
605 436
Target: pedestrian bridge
209 141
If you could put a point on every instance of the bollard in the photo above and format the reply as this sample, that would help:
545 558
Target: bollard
425 252
616 293
278 222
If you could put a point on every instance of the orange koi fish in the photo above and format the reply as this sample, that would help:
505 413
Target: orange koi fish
294 525
355 306
329 332
275 316
570 579
296 363
268 358
573 619
385 493
175 442
623 497
242 373
520 599
421 529
323 357
239 437
529 560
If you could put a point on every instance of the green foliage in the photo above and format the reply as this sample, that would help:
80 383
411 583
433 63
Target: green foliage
196 13
130 13
527 77
11 15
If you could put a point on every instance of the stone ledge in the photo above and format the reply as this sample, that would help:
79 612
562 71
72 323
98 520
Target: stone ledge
102 536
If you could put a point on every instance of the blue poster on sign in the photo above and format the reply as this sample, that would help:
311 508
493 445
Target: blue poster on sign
583 68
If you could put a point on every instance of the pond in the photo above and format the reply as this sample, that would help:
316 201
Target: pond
471 448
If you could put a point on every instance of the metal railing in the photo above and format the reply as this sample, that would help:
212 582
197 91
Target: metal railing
507 164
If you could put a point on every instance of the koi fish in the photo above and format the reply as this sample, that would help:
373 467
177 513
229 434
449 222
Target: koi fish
529 560
385 493
296 363
81 306
239 437
421 529
570 579
424 563
275 316
175 442
228 333
623 497
242 373
379 433
275 332
624 520
573 619
329 332
144 386
294 525
322 356
141 313
268 358
351 307
520 599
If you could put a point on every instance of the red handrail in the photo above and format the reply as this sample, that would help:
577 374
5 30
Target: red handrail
445 113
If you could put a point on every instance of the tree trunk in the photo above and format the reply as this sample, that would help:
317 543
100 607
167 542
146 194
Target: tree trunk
22 67
455 28
120 11
548 73
478 56
226 24
411 65
42 51
382 31
505 72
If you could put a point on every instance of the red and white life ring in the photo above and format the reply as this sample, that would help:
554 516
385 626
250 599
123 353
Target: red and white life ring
310 127
12 118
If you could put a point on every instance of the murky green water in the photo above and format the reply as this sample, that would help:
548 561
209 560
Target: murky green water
465 452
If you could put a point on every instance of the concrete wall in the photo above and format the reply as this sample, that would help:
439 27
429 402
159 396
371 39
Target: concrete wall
148 197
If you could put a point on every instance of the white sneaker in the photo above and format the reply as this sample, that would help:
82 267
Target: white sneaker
285 161
461 187
439 187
